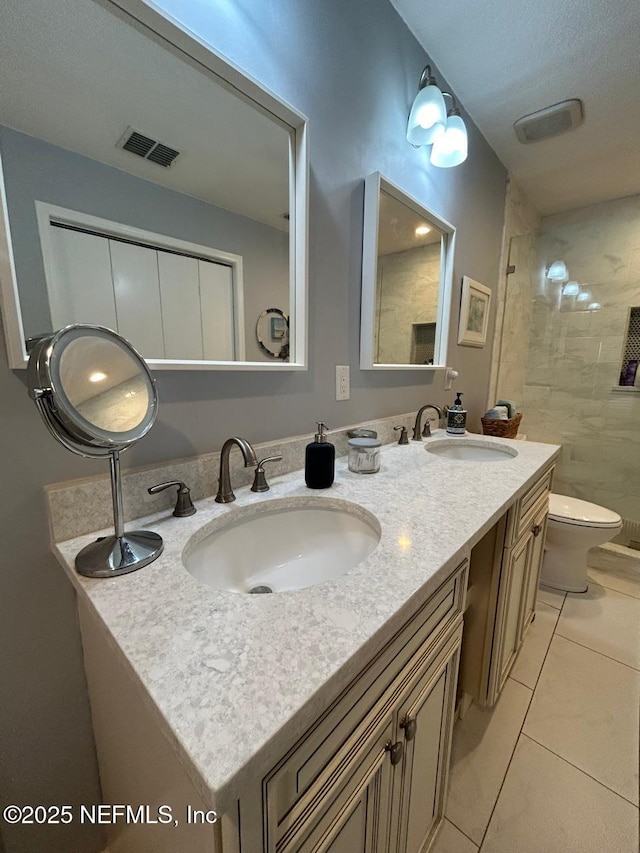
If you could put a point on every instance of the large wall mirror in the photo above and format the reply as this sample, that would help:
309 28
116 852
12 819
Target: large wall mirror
406 281
147 186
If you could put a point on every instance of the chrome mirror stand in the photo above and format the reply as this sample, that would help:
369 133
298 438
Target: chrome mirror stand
121 553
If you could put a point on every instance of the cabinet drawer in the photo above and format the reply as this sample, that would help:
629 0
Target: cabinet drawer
329 751
522 514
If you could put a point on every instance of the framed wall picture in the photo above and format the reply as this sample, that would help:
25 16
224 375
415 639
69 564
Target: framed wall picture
474 313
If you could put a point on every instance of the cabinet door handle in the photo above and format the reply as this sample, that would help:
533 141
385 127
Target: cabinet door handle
395 751
536 529
410 727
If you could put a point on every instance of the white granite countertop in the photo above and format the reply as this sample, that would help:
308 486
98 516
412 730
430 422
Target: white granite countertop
234 680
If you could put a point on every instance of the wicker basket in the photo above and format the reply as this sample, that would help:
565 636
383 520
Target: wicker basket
502 429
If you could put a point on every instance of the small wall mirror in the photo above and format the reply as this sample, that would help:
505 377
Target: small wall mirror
407 268
272 333
97 397
162 195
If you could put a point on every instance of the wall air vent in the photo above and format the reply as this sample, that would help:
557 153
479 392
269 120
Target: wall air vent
148 148
551 121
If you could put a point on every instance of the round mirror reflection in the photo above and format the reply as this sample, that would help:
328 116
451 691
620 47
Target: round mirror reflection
272 332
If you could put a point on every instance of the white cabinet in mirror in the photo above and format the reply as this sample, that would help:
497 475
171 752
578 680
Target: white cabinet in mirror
407 266
163 196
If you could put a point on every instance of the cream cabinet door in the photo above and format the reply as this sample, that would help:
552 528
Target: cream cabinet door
426 722
357 821
538 534
508 627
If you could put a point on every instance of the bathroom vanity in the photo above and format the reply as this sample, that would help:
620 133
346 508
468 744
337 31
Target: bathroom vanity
318 719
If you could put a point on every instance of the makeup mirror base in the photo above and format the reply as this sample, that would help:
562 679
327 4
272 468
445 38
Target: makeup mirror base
110 556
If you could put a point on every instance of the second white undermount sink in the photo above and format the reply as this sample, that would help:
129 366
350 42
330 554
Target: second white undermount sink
282 545
471 450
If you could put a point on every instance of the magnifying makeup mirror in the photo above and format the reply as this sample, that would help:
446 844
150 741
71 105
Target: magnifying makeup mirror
98 398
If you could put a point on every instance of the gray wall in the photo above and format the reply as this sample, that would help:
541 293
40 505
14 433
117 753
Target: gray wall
35 170
353 69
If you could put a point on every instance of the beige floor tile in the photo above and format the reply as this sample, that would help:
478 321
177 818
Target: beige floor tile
483 743
605 621
621 579
585 709
552 597
530 658
451 840
548 806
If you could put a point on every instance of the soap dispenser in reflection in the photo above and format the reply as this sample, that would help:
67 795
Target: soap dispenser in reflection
457 417
319 460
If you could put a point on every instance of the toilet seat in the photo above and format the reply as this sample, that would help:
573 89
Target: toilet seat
566 510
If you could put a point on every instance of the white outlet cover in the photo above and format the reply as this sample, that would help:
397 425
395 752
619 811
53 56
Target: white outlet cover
343 390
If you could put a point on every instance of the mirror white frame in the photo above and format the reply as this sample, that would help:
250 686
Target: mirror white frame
374 183
166 29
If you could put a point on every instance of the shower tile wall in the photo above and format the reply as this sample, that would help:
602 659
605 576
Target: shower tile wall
571 358
520 218
408 284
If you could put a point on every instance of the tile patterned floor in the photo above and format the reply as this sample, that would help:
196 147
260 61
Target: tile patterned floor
554 766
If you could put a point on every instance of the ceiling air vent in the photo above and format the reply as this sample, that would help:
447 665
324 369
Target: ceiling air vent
144 146
550 121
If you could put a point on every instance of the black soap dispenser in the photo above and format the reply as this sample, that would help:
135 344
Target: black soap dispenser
319 460
457 417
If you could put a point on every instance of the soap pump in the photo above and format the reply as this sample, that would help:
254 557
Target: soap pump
319 460
457 417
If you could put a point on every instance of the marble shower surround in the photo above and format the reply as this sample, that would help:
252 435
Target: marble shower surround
408 287
520 219
81 506
572 358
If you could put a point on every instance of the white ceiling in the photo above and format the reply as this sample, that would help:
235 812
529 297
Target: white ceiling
397 224
507 58
76 75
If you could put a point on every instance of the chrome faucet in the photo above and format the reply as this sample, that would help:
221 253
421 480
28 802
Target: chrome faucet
225 493
427 426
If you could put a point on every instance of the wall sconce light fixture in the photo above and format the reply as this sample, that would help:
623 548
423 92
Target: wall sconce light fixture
450 148
558 272
571 288
428 116
430 124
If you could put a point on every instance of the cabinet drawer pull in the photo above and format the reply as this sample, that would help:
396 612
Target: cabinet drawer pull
410 727
395 751
536 529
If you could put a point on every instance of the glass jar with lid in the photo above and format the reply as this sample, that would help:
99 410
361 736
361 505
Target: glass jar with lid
364 455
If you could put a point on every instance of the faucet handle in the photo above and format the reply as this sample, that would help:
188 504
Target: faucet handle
184 505
259 480
403 434
426 430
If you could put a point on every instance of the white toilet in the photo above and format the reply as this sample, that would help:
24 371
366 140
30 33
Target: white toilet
574 527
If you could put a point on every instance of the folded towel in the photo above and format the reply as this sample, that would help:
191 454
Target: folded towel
511 407
498 413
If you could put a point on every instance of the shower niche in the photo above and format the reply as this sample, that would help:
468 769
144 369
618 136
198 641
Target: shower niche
629 370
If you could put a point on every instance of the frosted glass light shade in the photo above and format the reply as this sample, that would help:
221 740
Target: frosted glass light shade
450 149
584 296
571 288
558 272
428 117
593 306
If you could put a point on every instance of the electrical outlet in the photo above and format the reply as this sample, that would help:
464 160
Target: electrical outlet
343 392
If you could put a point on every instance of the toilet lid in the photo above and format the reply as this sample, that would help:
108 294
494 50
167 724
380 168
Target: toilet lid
573 511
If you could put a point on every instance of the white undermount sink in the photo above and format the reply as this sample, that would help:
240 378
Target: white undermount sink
471 450
281 545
